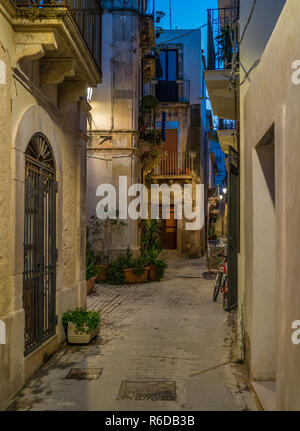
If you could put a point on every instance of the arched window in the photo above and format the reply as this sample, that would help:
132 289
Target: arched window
39 279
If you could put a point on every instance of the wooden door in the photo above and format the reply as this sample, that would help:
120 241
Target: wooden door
170 145
169 231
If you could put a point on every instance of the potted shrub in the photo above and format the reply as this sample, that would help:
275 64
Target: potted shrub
81 326
137 271
102 272
91 273
157 266
225 46
116 273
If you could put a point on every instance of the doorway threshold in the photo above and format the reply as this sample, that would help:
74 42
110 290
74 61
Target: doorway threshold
265 392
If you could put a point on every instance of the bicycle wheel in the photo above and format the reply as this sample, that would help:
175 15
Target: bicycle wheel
217 286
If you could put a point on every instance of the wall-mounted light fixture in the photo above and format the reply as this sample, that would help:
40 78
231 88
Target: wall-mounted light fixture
89 94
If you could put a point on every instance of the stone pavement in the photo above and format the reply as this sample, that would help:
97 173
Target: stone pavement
166 331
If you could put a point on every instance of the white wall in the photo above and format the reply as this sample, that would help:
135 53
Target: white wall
192 57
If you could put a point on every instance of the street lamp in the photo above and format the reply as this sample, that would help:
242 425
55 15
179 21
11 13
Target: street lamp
224 190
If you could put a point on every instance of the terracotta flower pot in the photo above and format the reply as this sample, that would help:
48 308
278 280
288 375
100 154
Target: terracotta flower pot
90 284
153 273
132 277
102 276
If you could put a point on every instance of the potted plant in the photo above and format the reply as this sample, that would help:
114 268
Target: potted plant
98 238
137 271
225 44
116 273
81 326
102 272
91 273
157 266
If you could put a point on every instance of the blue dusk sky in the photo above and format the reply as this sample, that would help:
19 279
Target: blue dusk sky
185 13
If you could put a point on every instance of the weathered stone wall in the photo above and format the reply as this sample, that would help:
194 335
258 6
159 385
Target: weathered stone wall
24 112
112 150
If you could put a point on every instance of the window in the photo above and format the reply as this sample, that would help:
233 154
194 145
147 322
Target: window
169 65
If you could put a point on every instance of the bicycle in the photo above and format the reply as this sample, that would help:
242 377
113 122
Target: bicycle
221 283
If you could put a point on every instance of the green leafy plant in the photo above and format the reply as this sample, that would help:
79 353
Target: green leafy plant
139 264
160 266
91 268
116 270
98 236
150 235
152 136
225 43
85 321
152 258
148 103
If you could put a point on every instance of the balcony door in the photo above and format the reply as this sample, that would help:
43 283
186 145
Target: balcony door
169 230
169 161
167 87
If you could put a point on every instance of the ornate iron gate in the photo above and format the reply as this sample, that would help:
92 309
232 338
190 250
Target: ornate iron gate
233 228
39 279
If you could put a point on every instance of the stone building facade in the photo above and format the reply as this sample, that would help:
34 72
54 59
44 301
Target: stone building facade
180 90
45 70
128 32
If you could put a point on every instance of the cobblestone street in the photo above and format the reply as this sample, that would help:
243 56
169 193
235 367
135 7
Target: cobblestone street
167 331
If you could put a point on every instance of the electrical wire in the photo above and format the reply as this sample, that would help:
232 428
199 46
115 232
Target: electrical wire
110 160
234 75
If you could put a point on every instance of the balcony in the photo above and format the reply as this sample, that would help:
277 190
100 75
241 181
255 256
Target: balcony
175 165
221 34
227 135
147 8
169 91
222 31
85 14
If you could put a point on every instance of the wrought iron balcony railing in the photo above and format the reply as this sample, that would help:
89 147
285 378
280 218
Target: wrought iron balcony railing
226 124
175 164
221 36
87 15
169 91
147 7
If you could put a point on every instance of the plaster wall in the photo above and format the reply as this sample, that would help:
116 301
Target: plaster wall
254 43
272 98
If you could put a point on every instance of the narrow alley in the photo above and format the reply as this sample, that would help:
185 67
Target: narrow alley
168 335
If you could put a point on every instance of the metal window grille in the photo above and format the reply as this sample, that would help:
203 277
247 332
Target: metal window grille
39 278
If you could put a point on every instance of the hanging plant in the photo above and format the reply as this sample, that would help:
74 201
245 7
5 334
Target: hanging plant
148 103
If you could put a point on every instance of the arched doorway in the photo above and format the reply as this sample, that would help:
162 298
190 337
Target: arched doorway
39 279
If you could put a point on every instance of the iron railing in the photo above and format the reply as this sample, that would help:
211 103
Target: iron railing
226 124
147 7
87 15
218 20
175 164
39 277
169 91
